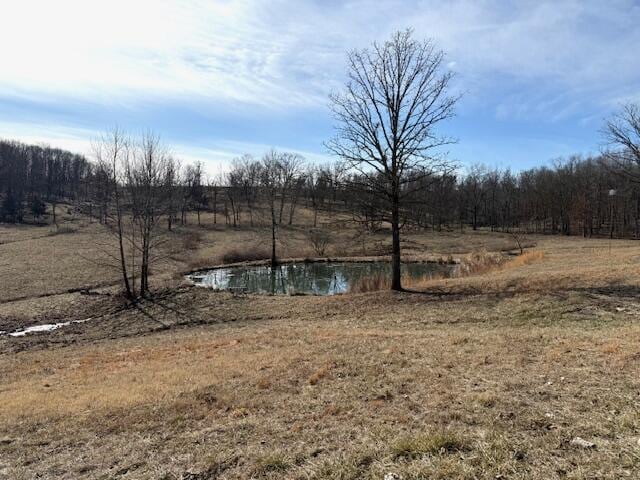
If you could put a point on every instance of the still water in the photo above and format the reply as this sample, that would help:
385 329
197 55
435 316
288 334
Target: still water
326 278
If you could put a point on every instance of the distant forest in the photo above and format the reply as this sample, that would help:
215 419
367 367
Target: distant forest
577 196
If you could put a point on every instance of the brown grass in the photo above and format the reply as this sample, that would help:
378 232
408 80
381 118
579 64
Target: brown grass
438 443
527 258
191 240
476 263
371 283
465 388
485 376
479 262
245 254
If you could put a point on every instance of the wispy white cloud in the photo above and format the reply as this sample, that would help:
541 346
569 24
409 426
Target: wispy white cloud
291 53
232 51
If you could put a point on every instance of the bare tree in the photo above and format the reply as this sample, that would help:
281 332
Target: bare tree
314 190
197 189
289 170
112 152
622 133
247 174
386 119
175 195
474 190
270 184
148 176
214 187
233 180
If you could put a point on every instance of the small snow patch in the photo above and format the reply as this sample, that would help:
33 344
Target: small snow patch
48 327
582 443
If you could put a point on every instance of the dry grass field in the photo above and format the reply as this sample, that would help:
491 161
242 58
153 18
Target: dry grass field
487 376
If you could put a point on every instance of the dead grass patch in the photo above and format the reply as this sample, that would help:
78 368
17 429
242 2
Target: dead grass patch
319 374
371 283
62 230
245 254
273 462
191 240
486 399
527 258
437 443
205 389
264 383
477 263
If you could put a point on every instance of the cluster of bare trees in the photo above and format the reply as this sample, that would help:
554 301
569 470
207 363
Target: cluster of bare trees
269 191
31 175
576 196
144 188
140 179
288 176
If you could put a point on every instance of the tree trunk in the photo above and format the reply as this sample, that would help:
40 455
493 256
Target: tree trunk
282 198
133 262
250 208
395 255
274 260
123 260
215 206
146 250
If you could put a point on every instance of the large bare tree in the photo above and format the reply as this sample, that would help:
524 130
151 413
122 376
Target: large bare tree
386 117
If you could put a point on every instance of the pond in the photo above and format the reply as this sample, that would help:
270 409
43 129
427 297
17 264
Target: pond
314 278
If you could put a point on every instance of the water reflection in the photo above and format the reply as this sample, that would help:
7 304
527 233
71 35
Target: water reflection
305 278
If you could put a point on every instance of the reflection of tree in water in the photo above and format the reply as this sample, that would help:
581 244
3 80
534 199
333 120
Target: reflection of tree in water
312 278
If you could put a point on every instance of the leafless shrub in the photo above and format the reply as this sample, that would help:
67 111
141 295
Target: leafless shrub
320 240
521 241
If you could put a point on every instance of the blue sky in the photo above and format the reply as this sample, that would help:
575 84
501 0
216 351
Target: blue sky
220 78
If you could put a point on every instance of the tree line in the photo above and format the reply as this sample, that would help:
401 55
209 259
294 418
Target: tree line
575 196
31 175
